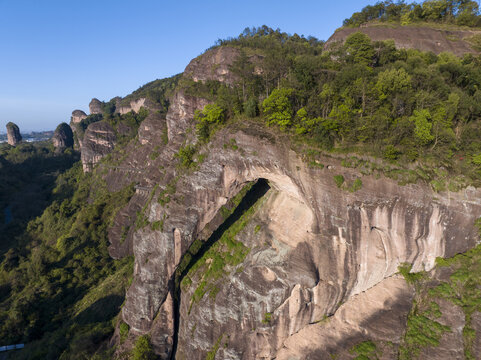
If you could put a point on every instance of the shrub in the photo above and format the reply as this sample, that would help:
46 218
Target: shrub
250 108
211 115
143 349
356 185
186 156
123 331
339 180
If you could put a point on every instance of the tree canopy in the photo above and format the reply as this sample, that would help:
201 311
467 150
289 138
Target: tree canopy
459 12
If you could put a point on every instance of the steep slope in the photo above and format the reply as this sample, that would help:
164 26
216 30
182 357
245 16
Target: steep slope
310 244
420 37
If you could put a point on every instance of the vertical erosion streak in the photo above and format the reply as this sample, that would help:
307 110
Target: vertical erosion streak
258 190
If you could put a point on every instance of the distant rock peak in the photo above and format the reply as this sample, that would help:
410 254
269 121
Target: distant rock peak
13 134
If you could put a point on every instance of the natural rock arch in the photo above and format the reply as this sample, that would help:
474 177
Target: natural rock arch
352 241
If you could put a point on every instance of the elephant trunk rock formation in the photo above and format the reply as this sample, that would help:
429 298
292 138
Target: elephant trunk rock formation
13 134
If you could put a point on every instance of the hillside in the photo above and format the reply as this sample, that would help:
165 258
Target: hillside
425 37
282 198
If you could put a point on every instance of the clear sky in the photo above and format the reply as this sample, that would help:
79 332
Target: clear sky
55 55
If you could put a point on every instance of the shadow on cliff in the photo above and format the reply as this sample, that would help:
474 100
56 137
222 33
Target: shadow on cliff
258 190
102 310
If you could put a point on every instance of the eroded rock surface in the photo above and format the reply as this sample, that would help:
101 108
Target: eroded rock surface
13 134
414 37
214 65
135 106
326 245
376 314
99 140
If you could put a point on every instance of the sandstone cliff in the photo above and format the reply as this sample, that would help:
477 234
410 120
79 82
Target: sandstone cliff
414 37
98 141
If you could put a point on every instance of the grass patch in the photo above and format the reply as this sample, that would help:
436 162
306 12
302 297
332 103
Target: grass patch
211 354
365 350
267 318
339 180
356 185
411 278
123 331
222 257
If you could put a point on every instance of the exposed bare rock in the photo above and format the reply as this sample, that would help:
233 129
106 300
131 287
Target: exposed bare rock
152 137
376 314
13 134
63 137
77 116
98 141
153 131
181 113
95 106
213 65
414 37
134 106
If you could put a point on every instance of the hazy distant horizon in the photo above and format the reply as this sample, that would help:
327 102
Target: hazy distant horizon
59 55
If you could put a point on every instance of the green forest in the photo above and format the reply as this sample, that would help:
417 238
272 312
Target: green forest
455 12
60 289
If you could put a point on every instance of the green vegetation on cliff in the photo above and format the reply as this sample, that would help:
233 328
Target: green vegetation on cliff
458 12
157 91
460 285
412 108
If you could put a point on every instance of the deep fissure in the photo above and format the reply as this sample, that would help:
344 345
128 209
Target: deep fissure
257 191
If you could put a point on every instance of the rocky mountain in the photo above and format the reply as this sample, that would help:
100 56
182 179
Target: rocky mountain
311 271
281 199
13 134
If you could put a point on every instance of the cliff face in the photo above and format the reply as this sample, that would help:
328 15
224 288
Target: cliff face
309 249
13 134
318 246
98 141
414 37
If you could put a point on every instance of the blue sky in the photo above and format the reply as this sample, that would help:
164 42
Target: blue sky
55 55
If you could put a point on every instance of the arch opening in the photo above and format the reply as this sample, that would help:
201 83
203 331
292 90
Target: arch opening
199 248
